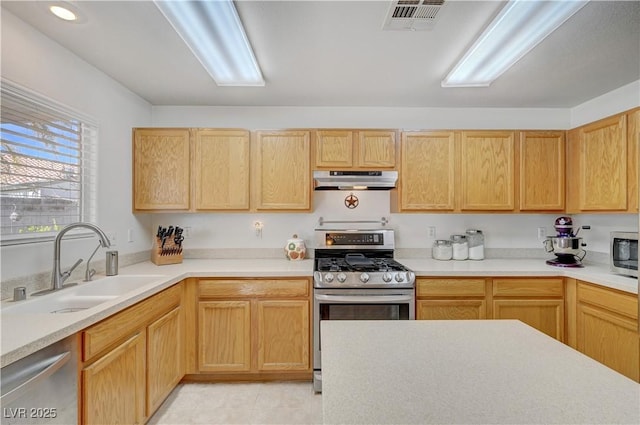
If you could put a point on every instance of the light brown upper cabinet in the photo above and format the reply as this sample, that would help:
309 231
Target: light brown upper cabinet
633 160
161 171
221 169
602 165
542 170
427 170
366 149
281 170
487 170
173 166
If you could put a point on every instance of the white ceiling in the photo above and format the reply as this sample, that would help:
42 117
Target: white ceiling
334 53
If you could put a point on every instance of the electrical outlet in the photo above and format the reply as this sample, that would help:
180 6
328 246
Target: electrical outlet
112 236
130 235
542 233
186 232
431 231
258 225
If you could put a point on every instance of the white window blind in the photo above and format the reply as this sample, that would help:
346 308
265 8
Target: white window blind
48 166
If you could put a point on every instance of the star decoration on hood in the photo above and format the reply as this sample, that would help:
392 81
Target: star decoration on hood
351 201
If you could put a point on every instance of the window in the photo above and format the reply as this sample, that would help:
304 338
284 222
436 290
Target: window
47 166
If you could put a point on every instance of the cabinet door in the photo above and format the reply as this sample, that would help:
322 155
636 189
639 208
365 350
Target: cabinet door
113 388
453 309
600 175
487 173
609 338
165 357
283 335
542 170
545 315
633 142
377 149
161 171
224 336
334 148
283 174
607 328
427 176
221 168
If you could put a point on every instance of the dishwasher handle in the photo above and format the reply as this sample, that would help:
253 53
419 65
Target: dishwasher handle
47 368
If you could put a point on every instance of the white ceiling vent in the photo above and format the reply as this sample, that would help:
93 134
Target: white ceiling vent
412 15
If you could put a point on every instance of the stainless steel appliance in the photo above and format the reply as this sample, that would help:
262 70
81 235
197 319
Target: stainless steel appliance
566 245
355 180
42 388
624 253
356 278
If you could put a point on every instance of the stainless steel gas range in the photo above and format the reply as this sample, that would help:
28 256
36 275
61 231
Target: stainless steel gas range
356 278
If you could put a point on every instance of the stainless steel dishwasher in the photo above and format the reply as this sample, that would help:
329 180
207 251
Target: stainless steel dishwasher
42 388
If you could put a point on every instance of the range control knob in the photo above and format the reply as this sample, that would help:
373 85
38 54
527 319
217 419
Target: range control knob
386 277
411 277
364 277
341 277
399 277
328 277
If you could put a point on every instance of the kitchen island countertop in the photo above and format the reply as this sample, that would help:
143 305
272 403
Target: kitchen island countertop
471 372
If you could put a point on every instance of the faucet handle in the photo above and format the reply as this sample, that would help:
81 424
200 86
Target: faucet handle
68 272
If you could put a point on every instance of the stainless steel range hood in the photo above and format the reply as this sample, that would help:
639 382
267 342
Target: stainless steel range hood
355 180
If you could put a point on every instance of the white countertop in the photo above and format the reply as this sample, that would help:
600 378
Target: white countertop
471 372
594 273
25 334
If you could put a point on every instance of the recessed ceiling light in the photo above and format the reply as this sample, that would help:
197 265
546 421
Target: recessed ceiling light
63 13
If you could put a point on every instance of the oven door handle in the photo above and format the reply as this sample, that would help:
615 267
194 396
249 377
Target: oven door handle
360 299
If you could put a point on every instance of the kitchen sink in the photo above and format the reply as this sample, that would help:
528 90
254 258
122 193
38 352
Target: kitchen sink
81 297
115 285
58 303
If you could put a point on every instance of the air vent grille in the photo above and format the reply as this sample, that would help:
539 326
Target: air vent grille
412 15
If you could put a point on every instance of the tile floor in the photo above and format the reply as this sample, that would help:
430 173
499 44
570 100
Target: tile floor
241 403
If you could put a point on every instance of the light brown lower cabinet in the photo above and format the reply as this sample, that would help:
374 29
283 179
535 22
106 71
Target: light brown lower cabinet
165 358
113 386
607 328
450 299
132 360
538 302
254 327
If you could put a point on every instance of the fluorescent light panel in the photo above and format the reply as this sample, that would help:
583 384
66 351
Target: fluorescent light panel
214 33
518 28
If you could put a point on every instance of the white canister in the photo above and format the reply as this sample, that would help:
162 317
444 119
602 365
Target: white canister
460 247
442 250
475 239
295 248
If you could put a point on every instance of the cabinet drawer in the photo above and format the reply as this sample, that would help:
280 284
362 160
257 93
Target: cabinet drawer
450 287
111 330
225 288
625 304
533 287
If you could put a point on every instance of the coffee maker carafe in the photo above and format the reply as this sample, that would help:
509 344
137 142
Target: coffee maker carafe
566 245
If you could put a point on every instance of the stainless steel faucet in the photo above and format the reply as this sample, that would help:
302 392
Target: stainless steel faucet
58 277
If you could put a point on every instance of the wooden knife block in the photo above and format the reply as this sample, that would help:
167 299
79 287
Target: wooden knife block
171 253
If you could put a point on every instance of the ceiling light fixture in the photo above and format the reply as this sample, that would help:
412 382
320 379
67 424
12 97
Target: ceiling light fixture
518 28
214 33
63 13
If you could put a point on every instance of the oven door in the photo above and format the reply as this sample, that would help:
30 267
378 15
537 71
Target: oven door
356 304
